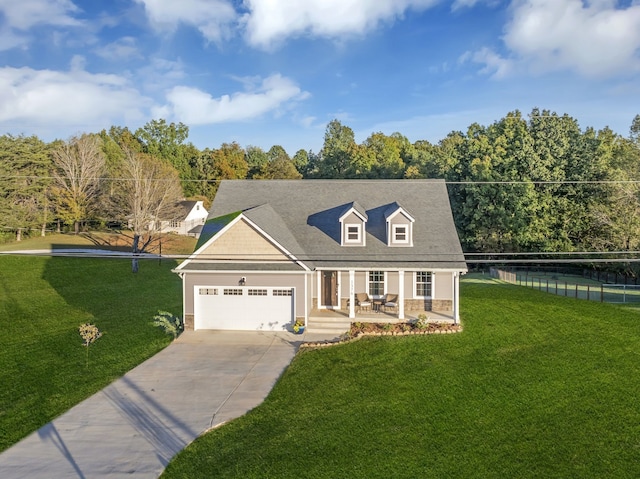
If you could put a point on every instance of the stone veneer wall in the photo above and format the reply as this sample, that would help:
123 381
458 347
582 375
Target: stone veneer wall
188 322
428 305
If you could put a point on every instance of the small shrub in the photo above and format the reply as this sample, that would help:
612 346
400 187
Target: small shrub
89 334
422 322
171 324
387 327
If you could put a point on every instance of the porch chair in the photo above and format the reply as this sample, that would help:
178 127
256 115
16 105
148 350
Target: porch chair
390 301
363 301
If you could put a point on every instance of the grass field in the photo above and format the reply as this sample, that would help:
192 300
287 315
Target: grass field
43 301
171 243
537 386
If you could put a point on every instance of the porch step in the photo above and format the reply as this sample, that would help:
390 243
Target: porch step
328 325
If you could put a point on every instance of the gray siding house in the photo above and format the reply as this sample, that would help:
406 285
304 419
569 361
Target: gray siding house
273 251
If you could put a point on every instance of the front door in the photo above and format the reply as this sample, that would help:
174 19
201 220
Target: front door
329 289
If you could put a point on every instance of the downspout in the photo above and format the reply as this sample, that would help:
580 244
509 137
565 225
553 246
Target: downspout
306 298
456 297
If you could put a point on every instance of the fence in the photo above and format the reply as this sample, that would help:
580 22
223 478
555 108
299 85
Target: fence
606 293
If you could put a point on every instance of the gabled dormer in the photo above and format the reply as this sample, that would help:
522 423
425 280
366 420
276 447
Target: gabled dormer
353 223
399 226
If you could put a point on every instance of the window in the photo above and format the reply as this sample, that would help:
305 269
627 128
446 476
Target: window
353 234
423 284
232 292
208 291
175 223
400 234
257 292
376 283
282 292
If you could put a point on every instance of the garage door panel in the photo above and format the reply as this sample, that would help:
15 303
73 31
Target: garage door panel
243 308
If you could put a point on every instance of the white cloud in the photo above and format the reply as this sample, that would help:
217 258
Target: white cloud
24 14
269 22
213 18
196 107
124 48
458 4
9 39
594 39
494 65
76 98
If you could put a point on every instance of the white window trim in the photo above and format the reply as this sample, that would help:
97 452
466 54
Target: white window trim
346 233
415 285
385 279
407 233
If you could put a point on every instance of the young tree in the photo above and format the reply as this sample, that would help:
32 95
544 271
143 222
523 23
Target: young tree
78 165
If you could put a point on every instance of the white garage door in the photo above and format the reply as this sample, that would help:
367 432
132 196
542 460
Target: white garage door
243 308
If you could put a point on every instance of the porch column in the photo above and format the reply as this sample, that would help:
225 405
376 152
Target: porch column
401 295
456 297
352 302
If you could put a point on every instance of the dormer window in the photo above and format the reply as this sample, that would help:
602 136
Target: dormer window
353 234
400 234
353 221
399 226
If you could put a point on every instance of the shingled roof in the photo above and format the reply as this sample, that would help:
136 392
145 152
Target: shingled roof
303 217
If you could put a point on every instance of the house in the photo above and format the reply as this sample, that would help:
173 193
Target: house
273 251
188 221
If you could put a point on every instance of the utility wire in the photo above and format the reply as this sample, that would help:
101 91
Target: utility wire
462 182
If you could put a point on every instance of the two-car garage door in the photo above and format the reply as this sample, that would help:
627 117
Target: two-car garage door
243 308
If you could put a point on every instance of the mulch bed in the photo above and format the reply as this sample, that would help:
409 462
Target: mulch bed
360 329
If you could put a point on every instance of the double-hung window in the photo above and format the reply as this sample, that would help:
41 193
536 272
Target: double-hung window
353 234
400 234
376 283
424 283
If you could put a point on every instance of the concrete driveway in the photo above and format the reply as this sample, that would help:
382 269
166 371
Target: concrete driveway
133 427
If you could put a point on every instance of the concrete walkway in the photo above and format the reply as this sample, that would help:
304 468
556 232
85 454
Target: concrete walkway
133 427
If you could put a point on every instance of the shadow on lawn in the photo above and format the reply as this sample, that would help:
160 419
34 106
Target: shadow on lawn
105 287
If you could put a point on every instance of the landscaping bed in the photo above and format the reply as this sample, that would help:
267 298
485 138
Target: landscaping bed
409 327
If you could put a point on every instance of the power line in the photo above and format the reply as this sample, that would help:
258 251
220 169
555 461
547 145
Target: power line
462 182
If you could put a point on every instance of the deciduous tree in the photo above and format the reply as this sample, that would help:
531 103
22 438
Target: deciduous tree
78 165
149 193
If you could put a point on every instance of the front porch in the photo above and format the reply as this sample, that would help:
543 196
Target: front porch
337 321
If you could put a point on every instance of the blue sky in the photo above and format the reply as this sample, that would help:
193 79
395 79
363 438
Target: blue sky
267 72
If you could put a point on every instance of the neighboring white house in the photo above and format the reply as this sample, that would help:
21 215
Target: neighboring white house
189 221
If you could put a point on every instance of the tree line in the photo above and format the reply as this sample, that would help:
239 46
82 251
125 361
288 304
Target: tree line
538 183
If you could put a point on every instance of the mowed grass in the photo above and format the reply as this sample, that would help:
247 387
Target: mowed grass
537 386
169 244
43 301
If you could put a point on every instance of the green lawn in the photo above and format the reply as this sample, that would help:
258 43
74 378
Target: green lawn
42 303
171 243
537 386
